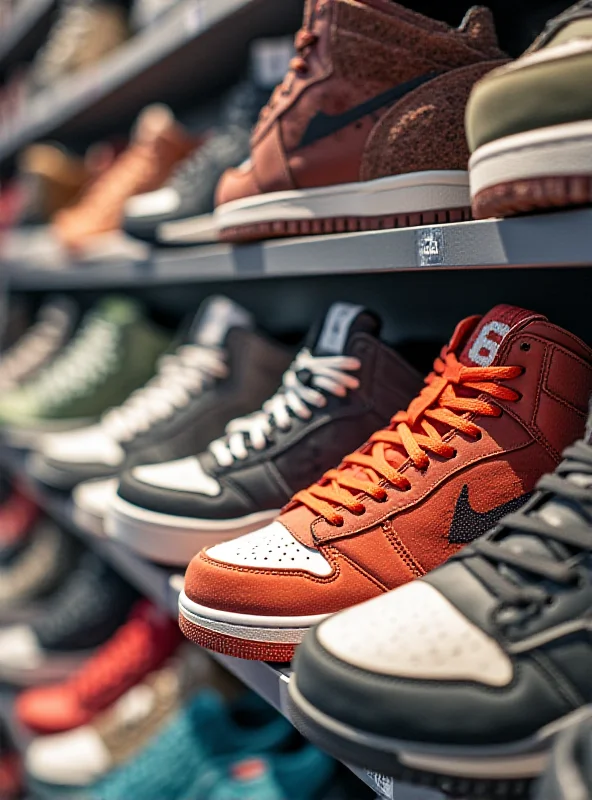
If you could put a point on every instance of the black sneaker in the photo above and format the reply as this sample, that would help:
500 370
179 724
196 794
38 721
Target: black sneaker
463 679
181 212
336 393
225 368
79 617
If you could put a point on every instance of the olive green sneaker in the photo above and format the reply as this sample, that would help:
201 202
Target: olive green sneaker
113 353
529 124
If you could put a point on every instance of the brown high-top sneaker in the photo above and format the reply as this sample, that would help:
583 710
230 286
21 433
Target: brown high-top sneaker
367 129
156 147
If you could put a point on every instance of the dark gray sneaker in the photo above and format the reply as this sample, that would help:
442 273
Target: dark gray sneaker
569 774
463 680
181 212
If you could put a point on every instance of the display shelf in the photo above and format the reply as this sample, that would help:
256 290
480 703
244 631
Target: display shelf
204 39
24 33
163 587
551 240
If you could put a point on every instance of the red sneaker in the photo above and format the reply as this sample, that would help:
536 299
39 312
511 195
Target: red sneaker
17 515
140 646
508 394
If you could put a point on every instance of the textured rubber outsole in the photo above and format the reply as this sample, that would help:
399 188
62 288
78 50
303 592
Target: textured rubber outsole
239 648
388 764
313 227
532 195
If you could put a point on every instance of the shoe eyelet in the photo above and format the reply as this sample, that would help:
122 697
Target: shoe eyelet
359 513
338 523
478 436
406 489
454 455
382 499
525 347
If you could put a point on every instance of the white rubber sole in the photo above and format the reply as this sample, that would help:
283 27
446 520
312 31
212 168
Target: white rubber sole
55 668
91 501
555 151
172 540
397 194
249 627
28 438
193 230
519 760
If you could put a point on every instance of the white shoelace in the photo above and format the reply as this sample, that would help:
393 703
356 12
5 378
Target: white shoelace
32 349
180 377
75 22
328 373
83 364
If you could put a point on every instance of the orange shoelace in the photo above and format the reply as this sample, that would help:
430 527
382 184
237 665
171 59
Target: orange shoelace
121 658
303 42
411 436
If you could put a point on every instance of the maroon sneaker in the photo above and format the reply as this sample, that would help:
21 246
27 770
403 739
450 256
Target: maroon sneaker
367 129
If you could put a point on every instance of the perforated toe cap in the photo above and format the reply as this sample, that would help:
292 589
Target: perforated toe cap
415 632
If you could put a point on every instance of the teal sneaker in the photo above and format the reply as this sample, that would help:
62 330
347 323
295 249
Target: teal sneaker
206 729
113 353
300 775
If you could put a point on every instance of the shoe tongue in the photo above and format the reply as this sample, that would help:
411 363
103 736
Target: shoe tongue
333 334
484 342
215 318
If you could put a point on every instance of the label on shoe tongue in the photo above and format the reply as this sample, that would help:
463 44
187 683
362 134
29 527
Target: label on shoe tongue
484 343
341 320
270 59
216 316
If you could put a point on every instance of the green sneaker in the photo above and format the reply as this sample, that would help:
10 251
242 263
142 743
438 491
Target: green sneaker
529 124
113 353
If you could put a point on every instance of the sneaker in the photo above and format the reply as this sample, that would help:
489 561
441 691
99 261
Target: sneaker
113 352
84 31
569 773
142 644
11 782
40 344
506 395
206 728
464 679
158 144
337 391
299 775
529 125
124 729
224 368
181 212
35 570
367 129
85 611
18 514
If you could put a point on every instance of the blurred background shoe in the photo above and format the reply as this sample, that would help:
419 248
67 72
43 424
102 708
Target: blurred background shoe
141 645
84 31
35 571
181 212
114 736
113 352
569 771
17 516
80 616
38 346
157 145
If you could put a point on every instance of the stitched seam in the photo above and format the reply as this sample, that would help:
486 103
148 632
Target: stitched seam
363 572
557 397
565 687
401 550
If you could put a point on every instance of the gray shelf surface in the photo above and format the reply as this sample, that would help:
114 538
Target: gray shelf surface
27 15
162 586
164 62
552 240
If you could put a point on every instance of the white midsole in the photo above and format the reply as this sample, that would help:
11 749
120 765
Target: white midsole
174 540
28 437
91 501
553 151
514 761
395 194
192 230
286 630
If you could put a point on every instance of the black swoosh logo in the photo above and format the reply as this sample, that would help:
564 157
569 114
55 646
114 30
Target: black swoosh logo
323 125
467 524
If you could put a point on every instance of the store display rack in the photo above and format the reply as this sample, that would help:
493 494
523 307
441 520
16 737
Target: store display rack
20 38
202 38
550 240
162 586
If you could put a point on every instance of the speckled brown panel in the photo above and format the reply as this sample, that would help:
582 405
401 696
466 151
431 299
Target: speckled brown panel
425 131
